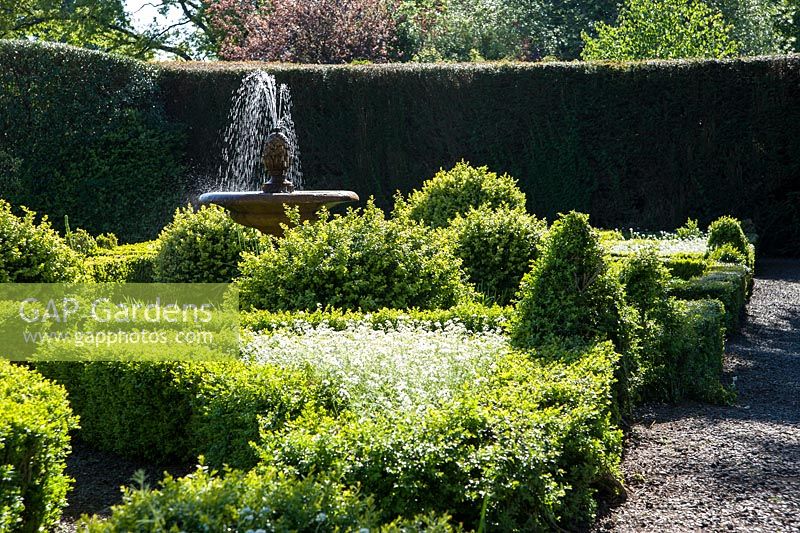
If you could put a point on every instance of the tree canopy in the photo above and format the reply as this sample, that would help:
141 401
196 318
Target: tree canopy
662 29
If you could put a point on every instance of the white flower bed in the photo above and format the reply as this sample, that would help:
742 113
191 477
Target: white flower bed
664 247
406 368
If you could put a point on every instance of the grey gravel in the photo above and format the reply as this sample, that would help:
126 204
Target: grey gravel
737 468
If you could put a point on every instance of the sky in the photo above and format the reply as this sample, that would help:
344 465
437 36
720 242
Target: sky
142 13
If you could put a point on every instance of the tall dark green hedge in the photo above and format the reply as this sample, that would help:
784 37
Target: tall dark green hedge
635 145
84 134
641 145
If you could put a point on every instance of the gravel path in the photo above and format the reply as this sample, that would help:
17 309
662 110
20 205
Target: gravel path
707 468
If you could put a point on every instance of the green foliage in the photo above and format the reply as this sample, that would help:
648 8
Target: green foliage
258 500
759 26
203 246
533 439
89 139
645 279
727 253
107 241
458 30
31 252
456 191
79 240
96 24
686 266
662 29
695 344
476 30
168 411
730 284
357 261
474 316
690 230
35 421
728 230
496 247
570 295
133 263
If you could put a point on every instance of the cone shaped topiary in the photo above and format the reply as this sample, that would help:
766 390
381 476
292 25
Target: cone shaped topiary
569 297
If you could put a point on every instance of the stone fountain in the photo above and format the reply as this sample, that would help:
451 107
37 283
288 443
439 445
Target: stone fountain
259 102
265 210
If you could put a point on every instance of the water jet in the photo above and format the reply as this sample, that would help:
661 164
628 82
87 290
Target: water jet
258 104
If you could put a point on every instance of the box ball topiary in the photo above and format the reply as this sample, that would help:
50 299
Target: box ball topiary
728 230
202 246
496 247
456 191
570 296
31 252
359 260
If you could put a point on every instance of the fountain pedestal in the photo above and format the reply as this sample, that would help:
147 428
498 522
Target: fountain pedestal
267 211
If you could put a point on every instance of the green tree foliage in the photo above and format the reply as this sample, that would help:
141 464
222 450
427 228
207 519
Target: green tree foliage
463 30
662 29
96 24
759 26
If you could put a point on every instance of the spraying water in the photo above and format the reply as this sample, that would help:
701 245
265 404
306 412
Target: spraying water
258 106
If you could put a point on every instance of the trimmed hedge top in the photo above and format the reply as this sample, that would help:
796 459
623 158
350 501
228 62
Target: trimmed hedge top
634 144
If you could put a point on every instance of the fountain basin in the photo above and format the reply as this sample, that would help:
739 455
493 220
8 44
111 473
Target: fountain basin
267 211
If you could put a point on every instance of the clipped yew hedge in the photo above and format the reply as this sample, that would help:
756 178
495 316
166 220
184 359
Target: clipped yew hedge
84 134
635 145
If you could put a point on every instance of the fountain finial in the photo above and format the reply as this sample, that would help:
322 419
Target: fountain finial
276 161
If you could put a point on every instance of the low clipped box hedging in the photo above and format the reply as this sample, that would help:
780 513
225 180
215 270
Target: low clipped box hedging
496 247
134 263
456 191
32 252
35 422
532 440
203 246
698 348
730 284
686 266
360 260
472 315
163 411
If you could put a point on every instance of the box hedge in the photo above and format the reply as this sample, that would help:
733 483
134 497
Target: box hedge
161 411
532 441
35 422
258 500
474 317
360 260
133 263
730 284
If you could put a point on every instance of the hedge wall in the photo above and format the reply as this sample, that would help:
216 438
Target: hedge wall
635 145
84 134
